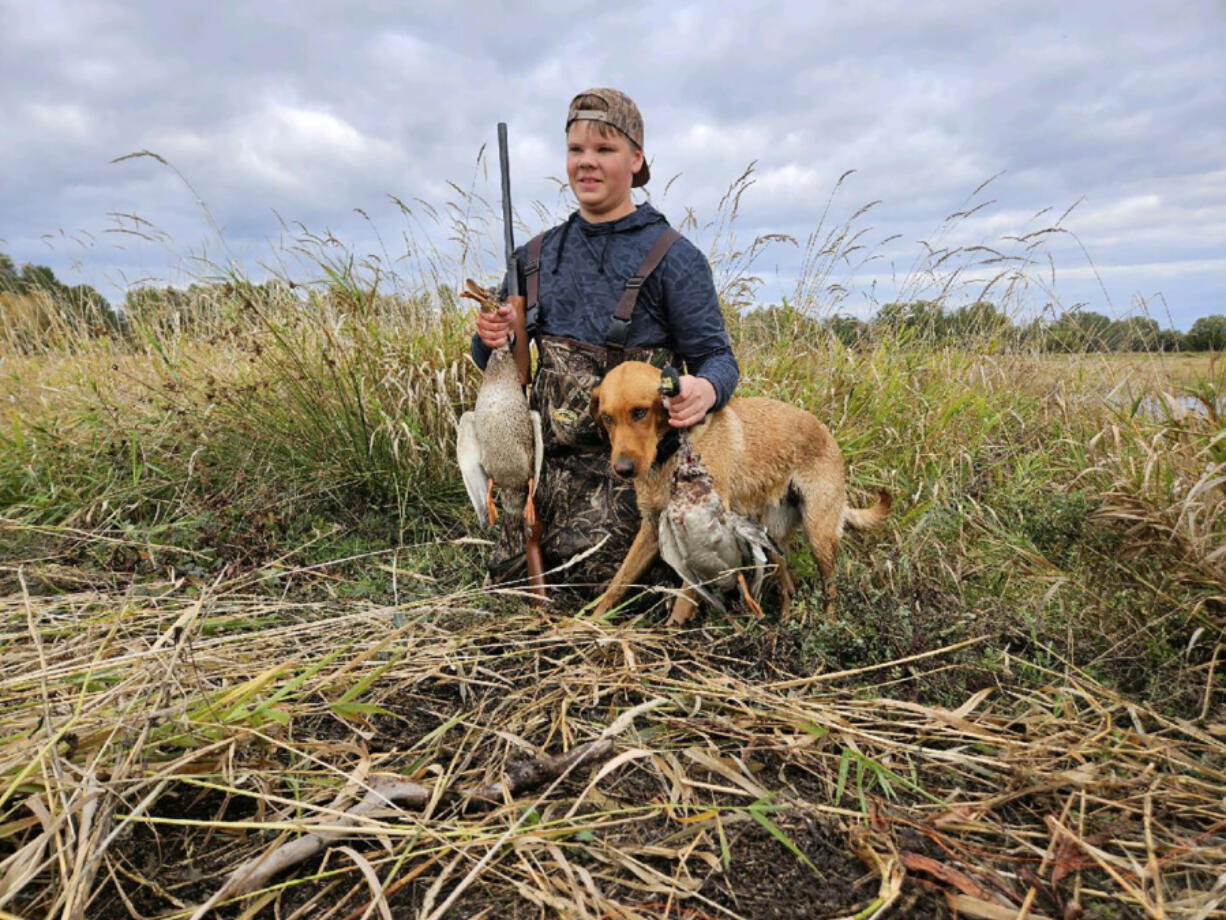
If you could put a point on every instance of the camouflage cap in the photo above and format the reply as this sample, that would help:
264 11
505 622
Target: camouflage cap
615 108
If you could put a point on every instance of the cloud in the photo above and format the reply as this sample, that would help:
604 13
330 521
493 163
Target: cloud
308 111
60 123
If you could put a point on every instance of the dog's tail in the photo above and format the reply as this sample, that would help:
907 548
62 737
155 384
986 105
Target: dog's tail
864 518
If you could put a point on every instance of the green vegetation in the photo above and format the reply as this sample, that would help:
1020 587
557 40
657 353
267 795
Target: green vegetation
927 321
239 578
1071 332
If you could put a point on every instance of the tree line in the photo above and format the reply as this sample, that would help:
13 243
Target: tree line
79 305
1071 331
47 302
920 321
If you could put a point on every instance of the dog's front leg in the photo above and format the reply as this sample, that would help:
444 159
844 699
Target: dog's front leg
787 585
642 551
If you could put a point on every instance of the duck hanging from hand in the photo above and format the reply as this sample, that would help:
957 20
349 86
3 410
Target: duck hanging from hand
499 442
707 544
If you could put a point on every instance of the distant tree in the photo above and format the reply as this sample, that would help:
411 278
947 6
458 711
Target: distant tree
155 306
81 304
10 279
1032 334
1062 335
445 296
1094 330
1171 340
919 320
1207 334
145 301
1136 333
778 322
978 320
83 301
200 303
1078 331
39 277
848 330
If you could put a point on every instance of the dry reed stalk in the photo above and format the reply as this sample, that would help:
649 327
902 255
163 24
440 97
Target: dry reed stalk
470 691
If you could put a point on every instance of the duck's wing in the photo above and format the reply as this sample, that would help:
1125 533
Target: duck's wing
673 551
538 446
752 535
468 455
755 543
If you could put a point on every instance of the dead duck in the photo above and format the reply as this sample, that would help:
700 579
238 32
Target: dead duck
498 442
706 543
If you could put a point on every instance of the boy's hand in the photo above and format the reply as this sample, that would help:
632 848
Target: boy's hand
691 406
495 328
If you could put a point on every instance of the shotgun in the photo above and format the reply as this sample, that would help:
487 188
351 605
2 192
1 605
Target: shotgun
523 359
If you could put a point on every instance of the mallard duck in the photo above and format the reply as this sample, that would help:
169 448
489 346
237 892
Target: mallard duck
499 443
707 544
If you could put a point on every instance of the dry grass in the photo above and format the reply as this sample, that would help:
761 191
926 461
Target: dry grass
158 734
237 591
154 742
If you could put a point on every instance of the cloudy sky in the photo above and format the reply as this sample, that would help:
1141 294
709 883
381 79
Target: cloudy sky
287 119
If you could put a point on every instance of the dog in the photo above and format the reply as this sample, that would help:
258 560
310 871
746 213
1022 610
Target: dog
771 461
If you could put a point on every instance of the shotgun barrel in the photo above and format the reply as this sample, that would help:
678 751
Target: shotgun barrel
515 297
508 231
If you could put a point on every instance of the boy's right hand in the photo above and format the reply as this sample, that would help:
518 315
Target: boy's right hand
494 329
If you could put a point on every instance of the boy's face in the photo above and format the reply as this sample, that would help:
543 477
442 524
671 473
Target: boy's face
600 170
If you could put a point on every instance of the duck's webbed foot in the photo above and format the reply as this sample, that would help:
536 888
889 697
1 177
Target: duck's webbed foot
530 505
748 596
490 507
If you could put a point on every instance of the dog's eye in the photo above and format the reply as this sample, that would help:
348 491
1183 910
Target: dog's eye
639 414
606 419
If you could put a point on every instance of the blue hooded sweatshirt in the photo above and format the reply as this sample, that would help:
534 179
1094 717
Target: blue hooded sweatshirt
583 272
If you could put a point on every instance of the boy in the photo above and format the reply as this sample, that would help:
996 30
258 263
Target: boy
580 271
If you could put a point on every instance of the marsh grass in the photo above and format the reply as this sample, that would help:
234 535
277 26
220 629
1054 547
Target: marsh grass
240 579
180 727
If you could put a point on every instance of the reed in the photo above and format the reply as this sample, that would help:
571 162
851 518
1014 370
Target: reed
240 586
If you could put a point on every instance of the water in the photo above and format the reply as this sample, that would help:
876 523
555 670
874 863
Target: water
1170 405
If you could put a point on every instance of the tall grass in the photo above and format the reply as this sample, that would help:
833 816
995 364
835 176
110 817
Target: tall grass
255 403
240 580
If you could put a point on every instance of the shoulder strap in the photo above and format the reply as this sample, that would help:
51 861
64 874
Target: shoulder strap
532 282
619 326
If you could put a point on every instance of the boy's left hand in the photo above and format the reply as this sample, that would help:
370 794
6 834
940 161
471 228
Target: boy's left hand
691 406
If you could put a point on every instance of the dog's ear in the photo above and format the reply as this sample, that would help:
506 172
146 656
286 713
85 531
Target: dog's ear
670 385
660 412
593 406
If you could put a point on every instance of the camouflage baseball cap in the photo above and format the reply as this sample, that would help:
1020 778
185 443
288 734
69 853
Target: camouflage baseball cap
615 108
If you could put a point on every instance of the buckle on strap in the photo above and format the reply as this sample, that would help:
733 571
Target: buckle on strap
532 266
634 282
618 332
670 381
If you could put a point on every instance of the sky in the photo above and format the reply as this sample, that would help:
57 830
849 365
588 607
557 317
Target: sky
293 134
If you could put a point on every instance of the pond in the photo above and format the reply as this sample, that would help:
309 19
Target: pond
1179 405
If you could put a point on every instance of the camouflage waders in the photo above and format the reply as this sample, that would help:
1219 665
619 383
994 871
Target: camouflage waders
579 499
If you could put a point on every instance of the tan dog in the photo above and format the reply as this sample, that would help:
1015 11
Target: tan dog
770 461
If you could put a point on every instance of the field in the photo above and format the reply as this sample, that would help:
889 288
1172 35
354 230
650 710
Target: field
241 606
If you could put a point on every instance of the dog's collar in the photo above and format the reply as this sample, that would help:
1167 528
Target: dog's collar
667 446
